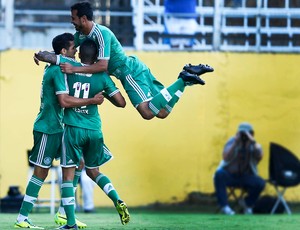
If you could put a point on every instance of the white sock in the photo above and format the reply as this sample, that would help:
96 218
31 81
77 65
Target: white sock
21 218
61 210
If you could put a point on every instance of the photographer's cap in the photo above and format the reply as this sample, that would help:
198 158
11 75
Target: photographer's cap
245 127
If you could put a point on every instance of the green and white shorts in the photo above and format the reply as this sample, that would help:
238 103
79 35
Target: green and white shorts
46 148
138 81
78 142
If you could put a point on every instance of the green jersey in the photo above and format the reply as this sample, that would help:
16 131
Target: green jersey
49 118
136 78
108 45
86 86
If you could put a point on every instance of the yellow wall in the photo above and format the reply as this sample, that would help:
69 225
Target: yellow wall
158 160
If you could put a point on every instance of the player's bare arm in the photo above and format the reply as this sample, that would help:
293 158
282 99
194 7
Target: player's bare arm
67 101
117 99
45 56
99 66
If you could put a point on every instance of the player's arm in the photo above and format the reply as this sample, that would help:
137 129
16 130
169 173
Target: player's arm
99 66
67 101
112 93
116 99
62 92
45 56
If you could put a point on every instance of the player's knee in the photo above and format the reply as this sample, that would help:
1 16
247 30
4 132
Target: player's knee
145 112
162 114
147 116
92 173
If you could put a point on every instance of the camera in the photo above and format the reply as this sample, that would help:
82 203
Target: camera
244 136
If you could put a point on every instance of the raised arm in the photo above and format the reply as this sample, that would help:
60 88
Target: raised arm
67 101
45 56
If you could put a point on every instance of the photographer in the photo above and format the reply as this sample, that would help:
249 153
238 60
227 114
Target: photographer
238 169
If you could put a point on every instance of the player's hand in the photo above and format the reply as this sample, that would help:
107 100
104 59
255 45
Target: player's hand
40 56
36 60
99 98
66 68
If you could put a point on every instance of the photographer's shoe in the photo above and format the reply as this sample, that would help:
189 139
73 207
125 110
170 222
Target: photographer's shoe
227 210
247 210
198 69
190 79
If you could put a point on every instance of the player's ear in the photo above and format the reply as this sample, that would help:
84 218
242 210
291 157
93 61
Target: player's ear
83 18
63 51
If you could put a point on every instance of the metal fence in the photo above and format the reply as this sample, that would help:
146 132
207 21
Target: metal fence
254 26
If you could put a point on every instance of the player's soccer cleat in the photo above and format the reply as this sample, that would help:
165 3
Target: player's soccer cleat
190 79
198 69
68 227
123 212
62 220
26 224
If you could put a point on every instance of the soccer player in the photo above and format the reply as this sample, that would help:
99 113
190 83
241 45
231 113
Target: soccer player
83 136
48 130
146 93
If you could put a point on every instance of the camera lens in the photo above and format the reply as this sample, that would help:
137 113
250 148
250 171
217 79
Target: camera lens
244 136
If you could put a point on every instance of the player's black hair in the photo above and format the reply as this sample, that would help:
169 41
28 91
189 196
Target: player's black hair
62 41
83 8
88 51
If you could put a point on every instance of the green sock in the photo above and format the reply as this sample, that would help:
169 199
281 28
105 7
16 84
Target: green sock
76 177
75 183
166 95
68 200
31 194
105 184
169 106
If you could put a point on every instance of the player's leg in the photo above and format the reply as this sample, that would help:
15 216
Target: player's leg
166 98
32 190
139 94
42 154
108 188
60 216
67 194
87 188
75 183
96 155
142 87
70 159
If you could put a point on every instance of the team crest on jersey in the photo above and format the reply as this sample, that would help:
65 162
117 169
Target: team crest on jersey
47 161
81 36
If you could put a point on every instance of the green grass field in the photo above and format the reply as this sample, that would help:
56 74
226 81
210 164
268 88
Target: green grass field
141 219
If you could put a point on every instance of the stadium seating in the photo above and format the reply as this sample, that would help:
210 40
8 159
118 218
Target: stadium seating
256 26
